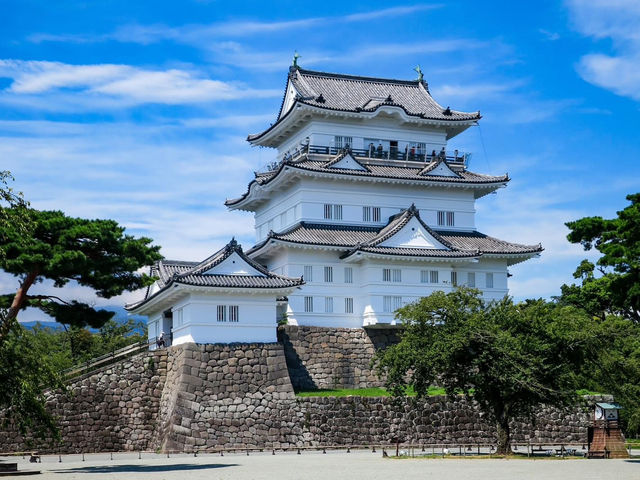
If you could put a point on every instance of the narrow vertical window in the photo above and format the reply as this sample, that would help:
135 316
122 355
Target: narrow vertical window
348 305
348 275
450 219
308 273
366 214
376 214
397 275
391 303
328 211
386 274
233 313
222 313
424 276
489 280
471 279
308 304
328 274
454 279
440 218
337 212
328 304
433 276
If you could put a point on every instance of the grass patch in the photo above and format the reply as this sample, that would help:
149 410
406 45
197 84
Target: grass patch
362 392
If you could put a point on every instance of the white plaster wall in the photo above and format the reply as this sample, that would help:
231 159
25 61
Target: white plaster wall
368 289
305 200
257 319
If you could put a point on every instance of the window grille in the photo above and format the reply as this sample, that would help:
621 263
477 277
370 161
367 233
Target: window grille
328 304
433 276
234 313
308 304
397 275
390 303
328 274
222 313
386 274
454 279
308 273
376 214
337 212
440 218
342 142
348 275
450 219
328 211
424 276
366 214
348 305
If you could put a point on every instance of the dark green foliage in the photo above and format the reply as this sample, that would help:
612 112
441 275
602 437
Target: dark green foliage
615 287
25 373
92 253
510 358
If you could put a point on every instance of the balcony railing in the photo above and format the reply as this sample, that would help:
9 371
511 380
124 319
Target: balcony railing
409 154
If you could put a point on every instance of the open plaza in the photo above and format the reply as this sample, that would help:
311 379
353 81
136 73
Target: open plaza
317 465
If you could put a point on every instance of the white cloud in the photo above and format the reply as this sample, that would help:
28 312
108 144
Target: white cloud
105 85
618 21
198 34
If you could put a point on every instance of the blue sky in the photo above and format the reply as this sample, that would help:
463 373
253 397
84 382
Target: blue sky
138 111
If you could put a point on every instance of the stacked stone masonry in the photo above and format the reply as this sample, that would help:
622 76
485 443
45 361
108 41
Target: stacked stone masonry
333 357
207 397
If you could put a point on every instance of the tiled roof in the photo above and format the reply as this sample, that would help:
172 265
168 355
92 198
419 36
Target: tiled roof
356 94
350 93
374 170
414 252
353 237
170 272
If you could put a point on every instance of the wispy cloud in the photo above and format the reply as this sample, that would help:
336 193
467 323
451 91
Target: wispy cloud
196 33
116 85
619 21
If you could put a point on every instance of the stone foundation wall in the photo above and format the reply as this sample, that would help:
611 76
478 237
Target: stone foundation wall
333 357
205 397
113 409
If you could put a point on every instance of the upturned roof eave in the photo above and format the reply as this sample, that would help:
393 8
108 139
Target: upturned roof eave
238 203
265 137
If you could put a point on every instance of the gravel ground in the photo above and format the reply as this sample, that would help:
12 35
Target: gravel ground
315 465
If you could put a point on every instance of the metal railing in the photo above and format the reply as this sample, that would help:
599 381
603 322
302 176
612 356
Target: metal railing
105 360
407 155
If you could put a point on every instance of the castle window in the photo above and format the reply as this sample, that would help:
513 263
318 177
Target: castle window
308 273
471 279
433 276
348 305
222 313
328 304
343 142
370 214
390 303
348 275
428 276
308 304
489 280
234 313
454 279
391 274
446 218
332 211
328 274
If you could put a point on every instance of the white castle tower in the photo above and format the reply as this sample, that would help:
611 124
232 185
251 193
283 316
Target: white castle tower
366 204
363 211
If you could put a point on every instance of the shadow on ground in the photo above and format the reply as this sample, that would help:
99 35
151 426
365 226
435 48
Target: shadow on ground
143 468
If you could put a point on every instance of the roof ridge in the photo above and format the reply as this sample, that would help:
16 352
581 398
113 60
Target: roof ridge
346 76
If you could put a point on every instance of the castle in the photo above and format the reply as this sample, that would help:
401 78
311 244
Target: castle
363 211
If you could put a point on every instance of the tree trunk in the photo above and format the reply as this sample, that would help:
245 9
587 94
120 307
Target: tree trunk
504 433
16 305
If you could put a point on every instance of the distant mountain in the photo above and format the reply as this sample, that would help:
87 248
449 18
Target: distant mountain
121 316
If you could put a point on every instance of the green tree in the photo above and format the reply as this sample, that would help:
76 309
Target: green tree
92 253
509 358
25 374
612 284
